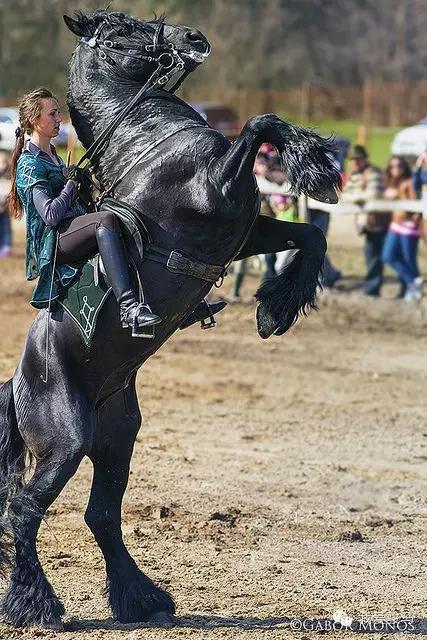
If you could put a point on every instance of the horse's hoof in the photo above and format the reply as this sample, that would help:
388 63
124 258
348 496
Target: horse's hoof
162 619
265 322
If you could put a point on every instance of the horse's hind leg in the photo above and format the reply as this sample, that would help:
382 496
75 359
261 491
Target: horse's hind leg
59 448
132 595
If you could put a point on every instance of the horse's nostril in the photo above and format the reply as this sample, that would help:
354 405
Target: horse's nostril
194 36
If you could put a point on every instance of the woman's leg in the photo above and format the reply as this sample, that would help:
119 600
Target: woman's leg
392 255
409 248
77 237
81 237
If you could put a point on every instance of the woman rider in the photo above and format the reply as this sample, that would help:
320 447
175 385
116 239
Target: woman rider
51 205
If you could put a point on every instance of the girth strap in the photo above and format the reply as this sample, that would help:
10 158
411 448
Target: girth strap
176 262
138 237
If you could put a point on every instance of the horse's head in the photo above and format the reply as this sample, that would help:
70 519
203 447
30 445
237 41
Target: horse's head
133 49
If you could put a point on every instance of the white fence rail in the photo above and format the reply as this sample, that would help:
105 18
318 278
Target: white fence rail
344 208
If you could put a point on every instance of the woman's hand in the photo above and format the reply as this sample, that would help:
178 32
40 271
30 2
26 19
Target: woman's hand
73 173
390 193
421 160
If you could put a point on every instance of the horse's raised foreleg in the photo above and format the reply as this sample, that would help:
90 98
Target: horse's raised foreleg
306 159
132 595
59 439
292 292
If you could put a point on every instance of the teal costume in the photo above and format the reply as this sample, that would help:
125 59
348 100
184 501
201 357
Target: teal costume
41 239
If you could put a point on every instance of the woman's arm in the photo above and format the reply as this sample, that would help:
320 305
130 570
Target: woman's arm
53 210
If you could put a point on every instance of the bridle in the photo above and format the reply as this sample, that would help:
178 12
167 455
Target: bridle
164 54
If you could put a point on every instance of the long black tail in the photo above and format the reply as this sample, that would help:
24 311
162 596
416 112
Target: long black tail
307 160
12 466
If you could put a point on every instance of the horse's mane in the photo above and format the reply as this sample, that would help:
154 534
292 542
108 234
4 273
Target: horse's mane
123 24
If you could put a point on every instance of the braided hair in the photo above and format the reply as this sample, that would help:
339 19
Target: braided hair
30 108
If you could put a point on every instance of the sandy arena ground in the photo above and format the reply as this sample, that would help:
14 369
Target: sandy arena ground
271 480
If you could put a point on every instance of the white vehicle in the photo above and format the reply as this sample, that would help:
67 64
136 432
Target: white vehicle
9 120
412 141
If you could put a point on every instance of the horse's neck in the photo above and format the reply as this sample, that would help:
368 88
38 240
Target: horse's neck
95 102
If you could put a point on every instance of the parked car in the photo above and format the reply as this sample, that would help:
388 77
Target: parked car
412 141
9 120
67 130
220 116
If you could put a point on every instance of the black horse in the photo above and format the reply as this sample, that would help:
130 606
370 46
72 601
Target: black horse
196 193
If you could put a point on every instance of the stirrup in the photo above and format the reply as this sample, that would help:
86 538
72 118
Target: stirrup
140 331
205 316
210 322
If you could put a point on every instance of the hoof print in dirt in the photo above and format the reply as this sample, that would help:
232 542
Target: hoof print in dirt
350 536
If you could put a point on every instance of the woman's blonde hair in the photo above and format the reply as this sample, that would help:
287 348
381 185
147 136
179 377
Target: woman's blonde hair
30 108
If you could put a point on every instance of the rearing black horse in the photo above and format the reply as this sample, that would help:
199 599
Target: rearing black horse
197 194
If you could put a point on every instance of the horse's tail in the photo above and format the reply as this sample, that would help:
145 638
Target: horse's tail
12 466
292 293
307 160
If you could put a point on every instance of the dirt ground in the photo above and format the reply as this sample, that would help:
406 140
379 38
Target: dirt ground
273 483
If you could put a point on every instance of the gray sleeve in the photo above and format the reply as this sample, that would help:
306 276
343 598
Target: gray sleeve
53 210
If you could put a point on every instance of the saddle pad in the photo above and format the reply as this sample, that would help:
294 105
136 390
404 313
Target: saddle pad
85 298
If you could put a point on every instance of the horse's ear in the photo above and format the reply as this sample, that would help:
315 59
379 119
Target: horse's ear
80 26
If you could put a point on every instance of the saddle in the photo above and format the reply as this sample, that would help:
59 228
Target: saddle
84 299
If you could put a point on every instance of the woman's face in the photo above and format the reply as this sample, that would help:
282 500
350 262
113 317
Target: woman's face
49 120
396 168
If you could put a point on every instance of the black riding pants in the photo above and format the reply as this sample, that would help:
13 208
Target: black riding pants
77 236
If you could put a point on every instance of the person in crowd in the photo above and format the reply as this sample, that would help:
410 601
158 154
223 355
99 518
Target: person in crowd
365 183
406 228
420 176
330 275
284 207
265 168
5 228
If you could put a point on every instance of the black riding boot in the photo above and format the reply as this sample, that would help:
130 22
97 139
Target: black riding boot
133 314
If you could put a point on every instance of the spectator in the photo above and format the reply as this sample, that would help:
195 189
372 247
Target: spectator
284 208
330 275
420 176
262 167
5 230
401 243
365 183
